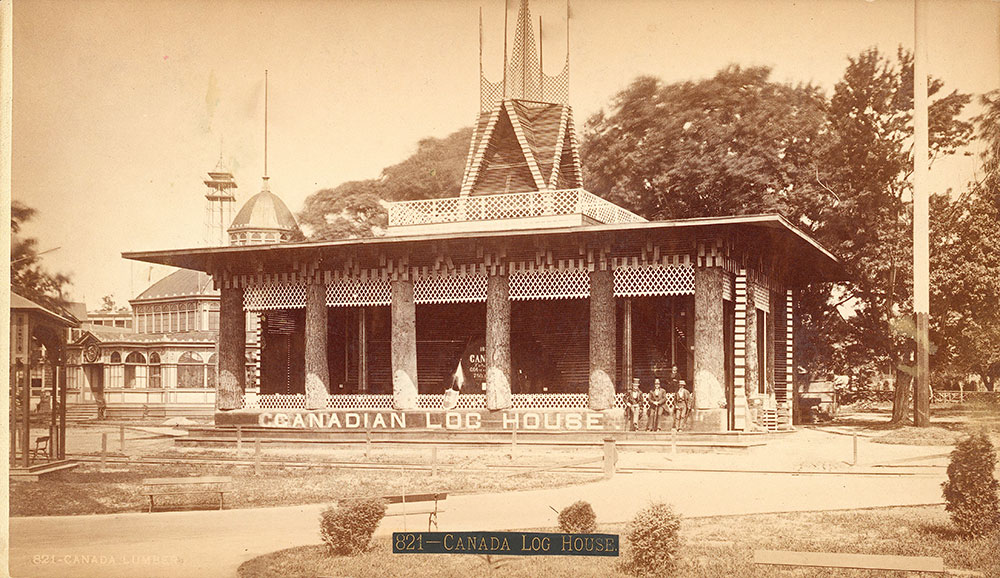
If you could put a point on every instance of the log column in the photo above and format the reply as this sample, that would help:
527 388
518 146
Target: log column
404 345
602 339
316 365
709 350
232 350
497 342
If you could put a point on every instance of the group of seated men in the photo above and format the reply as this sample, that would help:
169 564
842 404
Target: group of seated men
653 404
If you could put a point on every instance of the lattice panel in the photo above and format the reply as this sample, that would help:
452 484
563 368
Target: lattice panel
465 401
360 401
604 211
654 280
508 206
276 401
549 284
556 88
432 401
358 292
490 93
265 297
450 289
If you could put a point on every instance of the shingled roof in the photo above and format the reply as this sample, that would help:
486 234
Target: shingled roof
523 146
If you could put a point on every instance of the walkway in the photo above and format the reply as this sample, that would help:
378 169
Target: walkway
213 543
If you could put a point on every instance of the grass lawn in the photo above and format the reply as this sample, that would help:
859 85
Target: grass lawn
719 546
949 424
88 490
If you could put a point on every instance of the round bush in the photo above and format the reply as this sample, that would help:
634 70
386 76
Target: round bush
654 541
578 518
971 489
347 528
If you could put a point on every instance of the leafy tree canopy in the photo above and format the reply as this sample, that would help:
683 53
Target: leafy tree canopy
357 208
27 275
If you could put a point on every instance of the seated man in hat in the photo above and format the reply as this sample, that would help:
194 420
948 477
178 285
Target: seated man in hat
633 405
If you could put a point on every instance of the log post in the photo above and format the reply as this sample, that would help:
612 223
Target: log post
602 339
232 350
498 343
316 367
404 345
709 350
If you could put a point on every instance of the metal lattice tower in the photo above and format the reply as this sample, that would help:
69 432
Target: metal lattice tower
220 206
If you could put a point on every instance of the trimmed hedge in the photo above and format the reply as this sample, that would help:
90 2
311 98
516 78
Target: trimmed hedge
971 489
654 541
347 528
578 518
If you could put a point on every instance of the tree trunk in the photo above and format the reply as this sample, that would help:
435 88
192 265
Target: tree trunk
404 346
316 367
602 340
497 343
901 396
232 350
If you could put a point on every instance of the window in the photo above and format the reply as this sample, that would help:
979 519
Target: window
154 370
213 370
135 370
115 371
761 352
190 370
213 317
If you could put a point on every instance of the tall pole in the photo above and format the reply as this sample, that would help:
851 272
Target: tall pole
265 123
541 62
504 50
921 252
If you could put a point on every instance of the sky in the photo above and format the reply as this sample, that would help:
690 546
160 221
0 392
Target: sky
121 108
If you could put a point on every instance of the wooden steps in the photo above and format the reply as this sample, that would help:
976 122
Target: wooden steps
35 472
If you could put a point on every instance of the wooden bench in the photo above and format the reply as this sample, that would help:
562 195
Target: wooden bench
852 561
422 505
186 486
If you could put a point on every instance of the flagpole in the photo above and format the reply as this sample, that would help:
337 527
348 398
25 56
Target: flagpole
921 218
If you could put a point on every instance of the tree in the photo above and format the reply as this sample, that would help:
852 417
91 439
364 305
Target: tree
737 143
27 275
970 492
965 264
867 163
358 208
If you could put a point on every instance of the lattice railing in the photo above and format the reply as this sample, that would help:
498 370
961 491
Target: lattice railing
508 206
429 401
654 280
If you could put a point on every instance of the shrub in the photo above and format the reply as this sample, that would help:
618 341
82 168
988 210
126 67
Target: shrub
971 489
348 527
578 518
654 541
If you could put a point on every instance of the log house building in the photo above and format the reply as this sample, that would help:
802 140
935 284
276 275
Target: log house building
569 295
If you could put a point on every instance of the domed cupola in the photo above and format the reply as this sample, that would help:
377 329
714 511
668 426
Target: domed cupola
264 219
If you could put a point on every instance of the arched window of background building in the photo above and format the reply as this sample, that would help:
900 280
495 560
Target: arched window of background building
135 370
115 371
190 370
154 370
213 371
